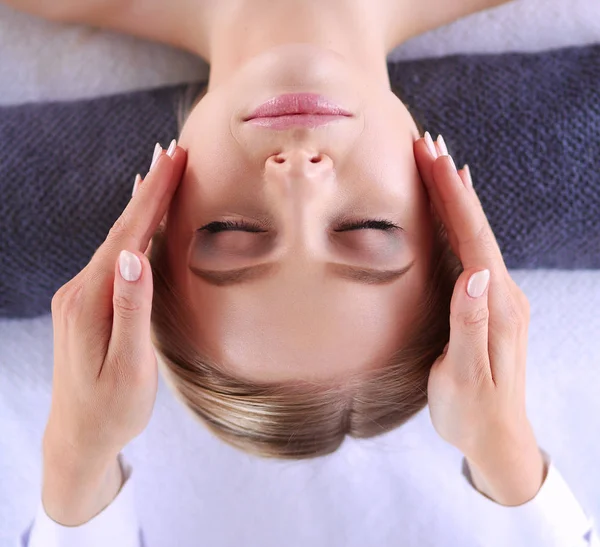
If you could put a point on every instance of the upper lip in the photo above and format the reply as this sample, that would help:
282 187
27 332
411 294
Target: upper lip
297 104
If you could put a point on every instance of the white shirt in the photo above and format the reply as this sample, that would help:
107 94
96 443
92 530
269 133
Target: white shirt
554 518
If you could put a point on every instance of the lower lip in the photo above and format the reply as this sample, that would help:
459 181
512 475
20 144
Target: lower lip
297 110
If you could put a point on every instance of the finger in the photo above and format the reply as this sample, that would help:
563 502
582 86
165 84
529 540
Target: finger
469 326
465 176
136 184
138 181
428 165
141 217
148 251
131 231
132 309
438 148
476 244
425 161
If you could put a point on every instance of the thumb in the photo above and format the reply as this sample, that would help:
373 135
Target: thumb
132 308
469 319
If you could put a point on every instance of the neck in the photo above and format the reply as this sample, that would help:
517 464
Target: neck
355 29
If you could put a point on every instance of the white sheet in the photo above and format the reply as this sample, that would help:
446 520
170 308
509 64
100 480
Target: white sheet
404 488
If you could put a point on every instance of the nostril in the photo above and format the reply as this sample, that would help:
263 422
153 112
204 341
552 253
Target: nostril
278 159
315 159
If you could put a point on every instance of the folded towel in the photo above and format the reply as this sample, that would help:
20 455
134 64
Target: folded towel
528 124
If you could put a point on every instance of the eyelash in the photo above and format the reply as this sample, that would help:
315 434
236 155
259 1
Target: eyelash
234 225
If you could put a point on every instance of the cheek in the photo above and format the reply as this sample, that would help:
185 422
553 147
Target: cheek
214 156
215 177
387 143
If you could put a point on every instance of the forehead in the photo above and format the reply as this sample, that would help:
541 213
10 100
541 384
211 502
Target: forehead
301 326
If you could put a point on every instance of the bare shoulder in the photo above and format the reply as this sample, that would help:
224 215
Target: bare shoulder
170 22
419 16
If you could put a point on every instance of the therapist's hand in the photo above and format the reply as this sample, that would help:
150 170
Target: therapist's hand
105 368
476 389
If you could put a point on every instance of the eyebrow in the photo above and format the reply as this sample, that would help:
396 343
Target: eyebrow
364 276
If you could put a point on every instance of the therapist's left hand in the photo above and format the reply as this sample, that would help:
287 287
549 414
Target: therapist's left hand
105 368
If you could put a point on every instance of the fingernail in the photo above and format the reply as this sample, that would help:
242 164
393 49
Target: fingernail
430 145
442 144
138 179
172 147
130 266
467 171
478 283
452 162
156 155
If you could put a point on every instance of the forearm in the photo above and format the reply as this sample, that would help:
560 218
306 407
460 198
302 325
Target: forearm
76 490
511 472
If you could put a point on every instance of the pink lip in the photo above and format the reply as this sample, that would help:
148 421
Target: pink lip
297 109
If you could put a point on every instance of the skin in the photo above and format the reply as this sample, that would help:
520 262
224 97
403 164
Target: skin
476 388
303 321
368 168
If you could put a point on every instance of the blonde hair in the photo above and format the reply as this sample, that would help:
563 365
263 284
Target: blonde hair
301 419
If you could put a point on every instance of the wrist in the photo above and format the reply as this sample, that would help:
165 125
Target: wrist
77 489
511 472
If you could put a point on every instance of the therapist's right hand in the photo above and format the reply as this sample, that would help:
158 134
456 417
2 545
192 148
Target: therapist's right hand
105 369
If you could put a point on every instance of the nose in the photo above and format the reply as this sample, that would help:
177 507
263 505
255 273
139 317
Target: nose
299 182
297 165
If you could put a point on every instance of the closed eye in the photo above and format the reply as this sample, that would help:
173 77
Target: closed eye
241 226
231 226
367 224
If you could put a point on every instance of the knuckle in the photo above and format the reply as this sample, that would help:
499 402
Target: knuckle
473 321
56 303
515 317
481 238
67 302
486 239
125 305
121 228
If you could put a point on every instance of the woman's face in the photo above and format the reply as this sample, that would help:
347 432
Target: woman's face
313 300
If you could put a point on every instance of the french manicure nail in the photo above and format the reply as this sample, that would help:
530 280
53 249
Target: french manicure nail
467 171
452 162
478 283
138 179
156 155
172 147
430 145
442 144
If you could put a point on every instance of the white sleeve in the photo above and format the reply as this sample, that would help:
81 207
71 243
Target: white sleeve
554 518
116 526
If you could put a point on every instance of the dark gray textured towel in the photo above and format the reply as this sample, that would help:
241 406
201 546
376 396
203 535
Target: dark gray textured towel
527 124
